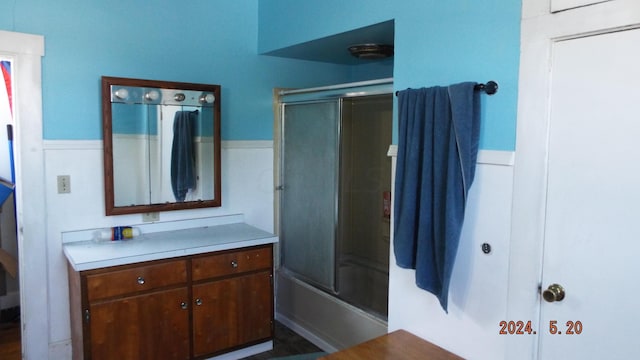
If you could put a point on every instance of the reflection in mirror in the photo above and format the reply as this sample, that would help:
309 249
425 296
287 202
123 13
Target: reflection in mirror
161 145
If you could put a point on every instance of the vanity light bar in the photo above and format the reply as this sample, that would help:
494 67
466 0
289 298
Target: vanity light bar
141 95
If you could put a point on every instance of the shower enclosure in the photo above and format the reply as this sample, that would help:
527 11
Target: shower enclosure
335 192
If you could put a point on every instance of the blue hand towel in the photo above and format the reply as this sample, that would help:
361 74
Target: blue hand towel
183 171
439 130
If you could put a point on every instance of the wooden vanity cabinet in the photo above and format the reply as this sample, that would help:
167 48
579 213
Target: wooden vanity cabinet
186 308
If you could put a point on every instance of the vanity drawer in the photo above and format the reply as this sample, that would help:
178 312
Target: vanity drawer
135 279
233 262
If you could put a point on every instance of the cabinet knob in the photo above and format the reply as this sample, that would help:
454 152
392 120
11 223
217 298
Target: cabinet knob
198 301
234 264
183 305
140 280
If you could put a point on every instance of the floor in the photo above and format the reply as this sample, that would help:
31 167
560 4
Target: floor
10 347
286 342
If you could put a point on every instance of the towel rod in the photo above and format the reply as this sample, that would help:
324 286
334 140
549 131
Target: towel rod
491 87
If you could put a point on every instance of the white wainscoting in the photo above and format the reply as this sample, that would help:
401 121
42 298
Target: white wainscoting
247 187
478 292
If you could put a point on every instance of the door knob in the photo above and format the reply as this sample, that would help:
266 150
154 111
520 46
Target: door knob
553 293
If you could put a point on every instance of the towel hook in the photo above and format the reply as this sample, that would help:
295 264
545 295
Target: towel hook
486 248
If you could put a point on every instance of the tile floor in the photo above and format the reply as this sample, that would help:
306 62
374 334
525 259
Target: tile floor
286 342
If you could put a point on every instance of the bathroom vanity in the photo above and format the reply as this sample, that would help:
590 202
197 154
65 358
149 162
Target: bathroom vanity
192 293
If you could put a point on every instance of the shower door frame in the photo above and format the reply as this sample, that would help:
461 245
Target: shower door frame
316 95
281 187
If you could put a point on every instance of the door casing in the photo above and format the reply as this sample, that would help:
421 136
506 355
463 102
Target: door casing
540 29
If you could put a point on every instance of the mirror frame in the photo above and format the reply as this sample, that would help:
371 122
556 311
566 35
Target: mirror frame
110 208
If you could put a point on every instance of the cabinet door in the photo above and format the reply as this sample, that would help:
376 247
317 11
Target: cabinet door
232 312
256 307
151 326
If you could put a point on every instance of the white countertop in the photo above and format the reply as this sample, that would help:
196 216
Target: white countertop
90 254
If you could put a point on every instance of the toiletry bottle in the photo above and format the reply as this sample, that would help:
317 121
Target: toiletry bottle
117 233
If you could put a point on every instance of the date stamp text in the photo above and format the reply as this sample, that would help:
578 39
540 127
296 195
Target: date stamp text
525 328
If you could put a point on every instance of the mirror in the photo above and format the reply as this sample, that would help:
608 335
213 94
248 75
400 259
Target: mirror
161 145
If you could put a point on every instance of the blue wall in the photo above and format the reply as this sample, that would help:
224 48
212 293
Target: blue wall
202 41
219 41
436 43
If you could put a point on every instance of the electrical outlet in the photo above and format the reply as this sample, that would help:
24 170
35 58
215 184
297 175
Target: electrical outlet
64 184
150 216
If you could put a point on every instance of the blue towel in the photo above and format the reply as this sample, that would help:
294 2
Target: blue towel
183 170
439 130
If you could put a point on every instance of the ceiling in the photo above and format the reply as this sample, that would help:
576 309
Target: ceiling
333 49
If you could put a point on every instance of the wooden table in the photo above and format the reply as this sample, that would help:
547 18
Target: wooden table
398 345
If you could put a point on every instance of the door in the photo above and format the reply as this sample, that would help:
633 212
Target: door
592 237
309 186
153 326
232 312
364 208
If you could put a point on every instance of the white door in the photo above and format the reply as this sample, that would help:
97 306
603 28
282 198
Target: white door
592 229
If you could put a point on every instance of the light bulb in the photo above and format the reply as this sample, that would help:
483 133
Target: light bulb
121 93
152 95
207 98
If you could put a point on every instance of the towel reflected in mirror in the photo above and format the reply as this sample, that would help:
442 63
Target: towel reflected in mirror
183 169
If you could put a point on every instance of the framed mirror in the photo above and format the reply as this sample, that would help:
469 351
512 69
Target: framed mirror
161 145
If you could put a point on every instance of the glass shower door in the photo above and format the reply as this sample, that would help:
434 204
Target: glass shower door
362 249
310 148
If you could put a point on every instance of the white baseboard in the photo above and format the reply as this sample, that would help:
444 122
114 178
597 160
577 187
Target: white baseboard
246 352
60 350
